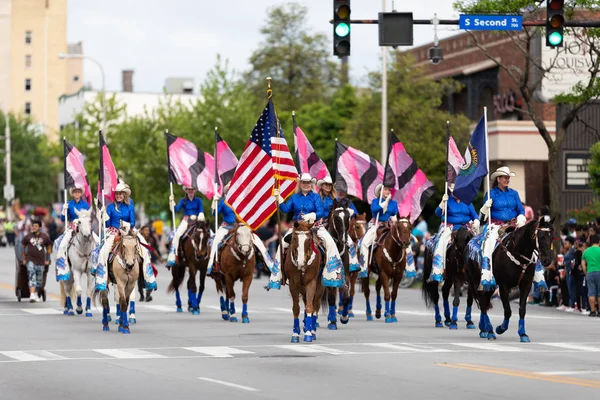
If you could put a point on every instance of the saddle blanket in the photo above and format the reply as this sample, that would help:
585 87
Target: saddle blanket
474 246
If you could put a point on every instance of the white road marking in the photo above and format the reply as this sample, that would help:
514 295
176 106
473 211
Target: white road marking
218 351
285 310
41 311
572 346
314 348
568 372
404 347
128 353
35 355
233 385
160 308
491 347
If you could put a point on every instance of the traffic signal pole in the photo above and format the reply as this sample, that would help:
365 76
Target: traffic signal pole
535 22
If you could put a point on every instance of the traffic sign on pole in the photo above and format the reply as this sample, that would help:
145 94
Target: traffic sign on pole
491 22
9 192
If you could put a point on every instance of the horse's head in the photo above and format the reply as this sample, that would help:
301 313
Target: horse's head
200 238
358 227
85 223
401 230
544 236
301 244
130 251
124 228
243 240
339 223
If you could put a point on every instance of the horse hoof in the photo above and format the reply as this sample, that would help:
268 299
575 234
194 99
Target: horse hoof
121 329
350 314
66 312
308 338
196 312
470 325
388 320
233 319
332 327
453 326
70 313
106 328
525 339
109 318
314 336
179 309
225 317
340 310
88 314
369 317
491 336
394 319
190 309
295 339
378 314
125 331
438 324
344 320
79 311
483 335
245 320
500 330
447 322
132 320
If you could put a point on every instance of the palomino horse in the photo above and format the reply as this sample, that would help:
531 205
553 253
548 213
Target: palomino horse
193 253
237 260
301 267
454 277
338 225
389 258
78 258
514 265
123 270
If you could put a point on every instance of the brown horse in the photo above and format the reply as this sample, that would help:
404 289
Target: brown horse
358 228
237 260
193 254
389 259
301 266
123 270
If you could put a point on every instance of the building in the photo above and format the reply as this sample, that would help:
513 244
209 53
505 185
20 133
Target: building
514 140
136 104
32 77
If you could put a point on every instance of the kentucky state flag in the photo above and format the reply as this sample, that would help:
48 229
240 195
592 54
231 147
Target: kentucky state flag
474 167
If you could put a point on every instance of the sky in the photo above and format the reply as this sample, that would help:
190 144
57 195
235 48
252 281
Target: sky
181 38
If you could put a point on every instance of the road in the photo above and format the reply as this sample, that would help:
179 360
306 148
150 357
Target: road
44 354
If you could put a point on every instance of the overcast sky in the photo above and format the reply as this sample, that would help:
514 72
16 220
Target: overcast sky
181 38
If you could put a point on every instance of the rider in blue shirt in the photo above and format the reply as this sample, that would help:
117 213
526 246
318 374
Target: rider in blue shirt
192 208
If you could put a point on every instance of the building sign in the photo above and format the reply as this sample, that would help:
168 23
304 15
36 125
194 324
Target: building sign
577 176
568 65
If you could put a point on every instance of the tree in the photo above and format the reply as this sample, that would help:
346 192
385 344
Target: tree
594 168
298 61
529 85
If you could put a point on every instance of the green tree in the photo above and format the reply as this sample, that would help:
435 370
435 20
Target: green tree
594 168
298 61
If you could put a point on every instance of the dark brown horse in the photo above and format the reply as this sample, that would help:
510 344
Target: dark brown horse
358 228
389 259
237 260
302 264
193 255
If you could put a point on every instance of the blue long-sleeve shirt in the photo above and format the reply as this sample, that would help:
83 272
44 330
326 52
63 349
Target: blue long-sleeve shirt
459 213
73 205
190 207
327 204
226 211
376 209
506 205
300 204
125 213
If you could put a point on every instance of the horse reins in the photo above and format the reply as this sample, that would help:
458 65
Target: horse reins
238 256
399 243
534 255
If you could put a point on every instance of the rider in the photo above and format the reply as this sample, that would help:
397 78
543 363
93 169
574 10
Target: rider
229 220
121 210
328 193
341 197
506 210
307 206
68 211
192 209
458 214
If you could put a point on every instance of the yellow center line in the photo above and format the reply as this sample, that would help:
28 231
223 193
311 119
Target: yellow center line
11 287
524 374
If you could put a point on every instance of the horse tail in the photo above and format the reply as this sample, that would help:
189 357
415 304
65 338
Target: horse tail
325 300
429 289
178 275
96 294
219 283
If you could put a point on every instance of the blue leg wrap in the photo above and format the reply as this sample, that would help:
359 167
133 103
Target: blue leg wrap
351 302
488 324
118 310
446 309
177 299
455 313
331 317
522 327
223 305
104 316
190 294
193 300
124 319
378 304
79 303
481 322
232 308
468 314
88 303
368 307
132 307
393 307
244 309
502 328
69 303
341 300
296 326
438 317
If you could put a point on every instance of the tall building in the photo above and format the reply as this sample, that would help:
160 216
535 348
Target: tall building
32 77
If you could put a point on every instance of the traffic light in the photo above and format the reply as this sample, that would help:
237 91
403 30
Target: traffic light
555 22
341 28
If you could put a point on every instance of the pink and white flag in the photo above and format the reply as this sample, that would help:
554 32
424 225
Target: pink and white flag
455 160
306 158
75 175
357 173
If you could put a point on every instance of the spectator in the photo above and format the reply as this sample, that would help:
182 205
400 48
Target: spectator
572 226
9 228
158 226
154 257
591 268
591 231
36 257
569 262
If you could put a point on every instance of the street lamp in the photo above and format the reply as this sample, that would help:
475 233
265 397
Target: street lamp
63 56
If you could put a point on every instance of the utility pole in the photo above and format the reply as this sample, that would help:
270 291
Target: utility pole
9 190
384 121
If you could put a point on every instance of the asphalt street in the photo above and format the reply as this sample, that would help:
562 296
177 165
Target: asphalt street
44 354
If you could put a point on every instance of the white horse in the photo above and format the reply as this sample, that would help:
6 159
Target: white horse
78 259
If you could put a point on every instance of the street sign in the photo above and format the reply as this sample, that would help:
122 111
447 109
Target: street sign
9 192
491 22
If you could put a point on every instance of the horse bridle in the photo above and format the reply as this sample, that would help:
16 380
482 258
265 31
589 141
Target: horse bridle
400 244
235 251
534 254
195 246
344 232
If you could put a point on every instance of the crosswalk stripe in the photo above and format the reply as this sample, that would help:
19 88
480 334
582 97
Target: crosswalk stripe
571 346
218 351
128 353
41 311
161 308
314 348
35 355
403 348
491 346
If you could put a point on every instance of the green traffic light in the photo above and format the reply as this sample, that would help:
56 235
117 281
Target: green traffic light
342 29
555 38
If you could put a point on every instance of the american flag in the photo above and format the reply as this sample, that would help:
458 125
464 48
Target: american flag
251 192
283 163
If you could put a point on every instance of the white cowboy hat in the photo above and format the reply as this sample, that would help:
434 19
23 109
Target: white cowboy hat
305 177
327 180
71 190
378 189
123 187
502 171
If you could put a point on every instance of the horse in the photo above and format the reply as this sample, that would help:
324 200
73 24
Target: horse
358 228
123 270
338 224
454 277
194 252
301 267
78 259
237 262
514 265
389 258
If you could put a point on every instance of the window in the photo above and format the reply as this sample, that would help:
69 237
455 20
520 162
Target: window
28 61
28 108
27 85
27 37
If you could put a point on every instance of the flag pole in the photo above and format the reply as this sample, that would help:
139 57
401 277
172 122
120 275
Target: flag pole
269 95
170 183
297 153
65 178
487 160
101 173
446 179
387 161
216 182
